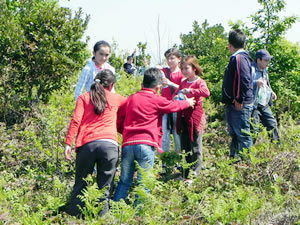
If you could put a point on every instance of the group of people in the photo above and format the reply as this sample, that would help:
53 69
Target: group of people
146 119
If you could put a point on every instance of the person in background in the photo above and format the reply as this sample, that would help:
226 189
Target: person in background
191 121
102 50
94 125
171 82
128 66
140 122
237 94
262 111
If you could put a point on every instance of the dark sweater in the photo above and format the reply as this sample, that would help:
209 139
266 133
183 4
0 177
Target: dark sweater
237 83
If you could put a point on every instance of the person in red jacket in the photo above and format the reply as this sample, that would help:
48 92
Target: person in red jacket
140 121
94 122
191 122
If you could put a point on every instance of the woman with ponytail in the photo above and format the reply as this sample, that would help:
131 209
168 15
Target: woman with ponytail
94 122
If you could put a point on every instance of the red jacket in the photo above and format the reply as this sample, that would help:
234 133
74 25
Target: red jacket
88 125
140 119
194 117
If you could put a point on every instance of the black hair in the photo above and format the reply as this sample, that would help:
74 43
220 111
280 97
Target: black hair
98 98
237 38
173 51
152 77
100 44
129 57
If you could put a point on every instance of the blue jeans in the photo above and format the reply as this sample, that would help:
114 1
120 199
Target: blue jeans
167 132
239 128
144 155
264 114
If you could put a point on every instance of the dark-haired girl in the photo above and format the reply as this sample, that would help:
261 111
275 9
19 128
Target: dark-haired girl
94 122
191 121
101 54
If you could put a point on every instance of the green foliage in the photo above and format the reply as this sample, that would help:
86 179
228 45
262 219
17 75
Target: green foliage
41 48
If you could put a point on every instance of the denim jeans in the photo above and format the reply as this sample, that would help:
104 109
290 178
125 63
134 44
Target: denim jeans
264 114
144 155
239 128
167 132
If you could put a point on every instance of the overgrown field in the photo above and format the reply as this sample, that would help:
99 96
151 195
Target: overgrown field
35 179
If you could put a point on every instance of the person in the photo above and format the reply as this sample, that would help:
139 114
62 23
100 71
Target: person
102 50
191 121
128 66
237 94
261 110
94 122
140 121
173 77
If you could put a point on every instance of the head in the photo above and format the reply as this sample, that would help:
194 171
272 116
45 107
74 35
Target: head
102 50
236 40
104 79
262 58
152 78
129 59
190 66
173 57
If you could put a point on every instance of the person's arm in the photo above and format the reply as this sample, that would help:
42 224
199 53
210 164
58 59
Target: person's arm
121 116
169 106
201 91
82 82
243 80
75 121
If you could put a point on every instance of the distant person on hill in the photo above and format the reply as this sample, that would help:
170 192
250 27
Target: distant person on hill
191 121
140 122
99 62
263 94
128 66
94 125
171 82
237 94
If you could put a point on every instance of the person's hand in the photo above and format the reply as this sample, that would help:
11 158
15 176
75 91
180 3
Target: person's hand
274 96
68 153
185 91
259 83
238 106
191 101
166 82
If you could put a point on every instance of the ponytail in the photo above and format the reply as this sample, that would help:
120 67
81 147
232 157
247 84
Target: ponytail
98 98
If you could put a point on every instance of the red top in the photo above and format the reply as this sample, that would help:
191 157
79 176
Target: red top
176 78
88 125
195 117
140 119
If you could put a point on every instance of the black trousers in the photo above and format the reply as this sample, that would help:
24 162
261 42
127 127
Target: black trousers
193 148
105 155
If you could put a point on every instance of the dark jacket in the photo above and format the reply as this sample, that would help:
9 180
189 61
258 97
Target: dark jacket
237 83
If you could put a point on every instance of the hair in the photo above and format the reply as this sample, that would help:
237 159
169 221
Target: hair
100 44
192 61
129 57
152 77
173 51
237 38
98 98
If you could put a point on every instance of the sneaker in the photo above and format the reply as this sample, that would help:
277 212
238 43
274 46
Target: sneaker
188 181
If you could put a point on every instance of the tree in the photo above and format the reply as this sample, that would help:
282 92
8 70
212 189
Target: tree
41 47
209 45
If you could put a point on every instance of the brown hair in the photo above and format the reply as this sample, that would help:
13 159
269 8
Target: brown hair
98 98
192 61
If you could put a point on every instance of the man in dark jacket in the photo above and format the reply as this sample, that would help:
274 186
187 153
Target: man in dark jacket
237 94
